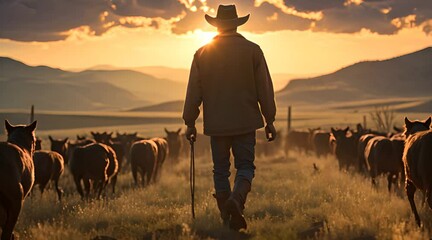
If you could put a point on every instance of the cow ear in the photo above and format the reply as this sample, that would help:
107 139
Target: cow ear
92 133
166 130
428 122
32 126
50 138
346 129
65 140
407 122
110 134
179 130
9 127
333 130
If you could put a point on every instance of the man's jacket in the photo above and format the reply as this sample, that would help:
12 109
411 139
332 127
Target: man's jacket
230 77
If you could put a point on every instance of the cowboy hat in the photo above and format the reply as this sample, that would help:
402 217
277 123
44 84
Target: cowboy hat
226 17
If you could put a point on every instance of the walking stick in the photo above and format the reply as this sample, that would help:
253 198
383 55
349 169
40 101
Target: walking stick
192 174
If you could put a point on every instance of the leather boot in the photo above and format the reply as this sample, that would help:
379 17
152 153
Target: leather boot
235 204
221 198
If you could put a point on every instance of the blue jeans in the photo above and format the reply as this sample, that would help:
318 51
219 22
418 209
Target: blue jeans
243 149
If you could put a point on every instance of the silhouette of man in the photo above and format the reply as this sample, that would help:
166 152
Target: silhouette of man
229 76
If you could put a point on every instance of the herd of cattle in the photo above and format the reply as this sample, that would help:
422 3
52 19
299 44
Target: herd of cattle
96 162
404 155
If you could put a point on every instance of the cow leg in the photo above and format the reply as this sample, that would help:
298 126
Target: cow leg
87 188
12 212
42 188
149 177
113 182
58 189
143 177
410 190
134 174
100 186
389 181
79 187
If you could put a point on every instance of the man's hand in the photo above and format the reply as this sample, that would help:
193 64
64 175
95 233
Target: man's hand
191 133
270 132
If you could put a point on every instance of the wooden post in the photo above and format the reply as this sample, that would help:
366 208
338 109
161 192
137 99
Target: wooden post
32 114
289 119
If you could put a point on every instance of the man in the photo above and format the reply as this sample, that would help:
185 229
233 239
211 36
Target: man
229 76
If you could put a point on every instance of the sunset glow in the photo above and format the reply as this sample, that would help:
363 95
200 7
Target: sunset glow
303 39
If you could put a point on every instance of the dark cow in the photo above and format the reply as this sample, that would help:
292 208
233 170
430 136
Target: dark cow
298 140
163 150
48 165
60 146
417 159
144 156
320 143
345 147
174 144
16 174
90 164
382 157
361 164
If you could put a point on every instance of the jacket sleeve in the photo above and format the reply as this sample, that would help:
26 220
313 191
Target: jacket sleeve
193 100
264 87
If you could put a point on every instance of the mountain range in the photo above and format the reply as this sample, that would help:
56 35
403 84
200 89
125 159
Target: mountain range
182 74
55 89
405 76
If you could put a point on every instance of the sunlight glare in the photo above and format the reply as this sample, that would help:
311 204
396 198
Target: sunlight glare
204 37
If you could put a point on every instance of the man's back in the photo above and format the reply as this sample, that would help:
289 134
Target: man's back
230 78
227 75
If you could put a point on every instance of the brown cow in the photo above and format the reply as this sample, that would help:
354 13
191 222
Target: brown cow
298 140
38 144
90 163
361 146
144 156
174 144
382 157
48 165
345 147
60 146
320 143
16 174
117 146
163 150
417 159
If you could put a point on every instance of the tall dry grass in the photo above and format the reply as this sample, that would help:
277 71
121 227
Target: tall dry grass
288 197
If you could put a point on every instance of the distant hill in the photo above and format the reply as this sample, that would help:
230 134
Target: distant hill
173 74
173 106
182 75
55 89
409 75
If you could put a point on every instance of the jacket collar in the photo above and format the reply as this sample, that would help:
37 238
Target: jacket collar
232 34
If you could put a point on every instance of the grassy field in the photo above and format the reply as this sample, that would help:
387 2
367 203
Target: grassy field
289 199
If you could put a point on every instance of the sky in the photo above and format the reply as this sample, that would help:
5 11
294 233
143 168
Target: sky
304 37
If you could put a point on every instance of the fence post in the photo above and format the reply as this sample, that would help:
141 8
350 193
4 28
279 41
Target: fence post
289 119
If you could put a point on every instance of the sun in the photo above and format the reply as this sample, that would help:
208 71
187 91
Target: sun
204 37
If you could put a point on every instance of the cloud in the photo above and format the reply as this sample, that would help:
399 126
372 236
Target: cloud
53 20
